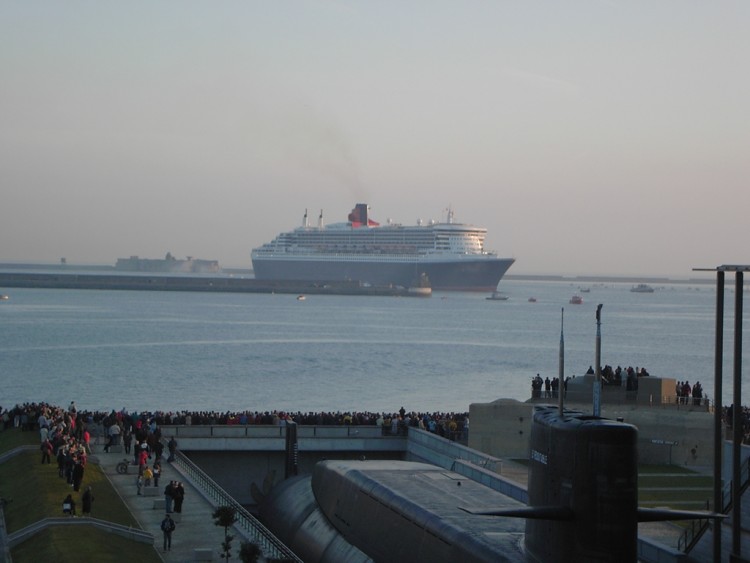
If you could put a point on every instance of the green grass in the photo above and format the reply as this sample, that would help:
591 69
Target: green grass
652 469
673 486
35 491
691 481
74 545
11 439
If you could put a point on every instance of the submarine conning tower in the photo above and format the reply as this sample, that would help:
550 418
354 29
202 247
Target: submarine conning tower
588 465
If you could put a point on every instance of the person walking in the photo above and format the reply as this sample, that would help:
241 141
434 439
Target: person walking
167 527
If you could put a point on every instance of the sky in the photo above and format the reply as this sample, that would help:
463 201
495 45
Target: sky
587 136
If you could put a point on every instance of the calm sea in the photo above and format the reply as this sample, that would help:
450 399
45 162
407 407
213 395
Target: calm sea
163 350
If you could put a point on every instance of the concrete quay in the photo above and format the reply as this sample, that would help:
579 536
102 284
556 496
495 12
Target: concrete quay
210 284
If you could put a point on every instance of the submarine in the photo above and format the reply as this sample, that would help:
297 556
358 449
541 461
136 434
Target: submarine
583 491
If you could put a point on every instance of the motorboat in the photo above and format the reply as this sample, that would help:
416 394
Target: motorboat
642 288
576 300
497 296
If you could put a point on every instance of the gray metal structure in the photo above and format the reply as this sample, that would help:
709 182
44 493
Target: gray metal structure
737 434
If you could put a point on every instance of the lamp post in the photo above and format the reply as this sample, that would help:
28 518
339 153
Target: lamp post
598 359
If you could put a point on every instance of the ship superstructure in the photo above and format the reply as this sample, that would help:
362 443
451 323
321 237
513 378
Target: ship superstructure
447 255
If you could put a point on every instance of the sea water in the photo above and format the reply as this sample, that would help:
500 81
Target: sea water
199 351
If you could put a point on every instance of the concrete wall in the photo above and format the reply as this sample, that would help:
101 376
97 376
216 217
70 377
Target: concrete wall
651 390
676 434
501 428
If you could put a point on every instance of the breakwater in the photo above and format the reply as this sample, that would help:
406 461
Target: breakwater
224 284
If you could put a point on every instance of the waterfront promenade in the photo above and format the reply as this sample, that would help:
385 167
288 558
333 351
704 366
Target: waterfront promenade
195 526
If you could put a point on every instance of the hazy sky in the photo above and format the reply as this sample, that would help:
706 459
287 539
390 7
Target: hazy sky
588 136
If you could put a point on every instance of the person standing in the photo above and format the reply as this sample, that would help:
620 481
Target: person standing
114 434
169 496
127 440
78 470
156 469
142 460
172 447
167 527
179 496
46 451
87 499
147 476
87 440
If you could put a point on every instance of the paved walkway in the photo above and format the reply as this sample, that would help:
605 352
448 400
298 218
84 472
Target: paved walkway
195 526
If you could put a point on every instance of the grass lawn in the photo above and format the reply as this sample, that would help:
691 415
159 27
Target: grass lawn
34 491
10 439
74 545
672 486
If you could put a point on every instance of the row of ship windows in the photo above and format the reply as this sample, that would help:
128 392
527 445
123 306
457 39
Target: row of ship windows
370 242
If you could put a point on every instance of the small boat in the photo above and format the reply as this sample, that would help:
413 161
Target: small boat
642 288
497 296
300 298
576 300
585 290
532 299
4 297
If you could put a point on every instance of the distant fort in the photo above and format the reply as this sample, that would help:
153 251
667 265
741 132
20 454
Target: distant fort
169 264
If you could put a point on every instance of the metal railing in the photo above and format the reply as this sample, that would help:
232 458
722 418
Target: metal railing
271 546
270 431
694 532
680 401
16 451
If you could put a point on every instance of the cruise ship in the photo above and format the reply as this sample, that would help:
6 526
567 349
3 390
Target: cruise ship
443 256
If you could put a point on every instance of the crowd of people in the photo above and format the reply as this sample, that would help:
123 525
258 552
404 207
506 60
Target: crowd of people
135 428
64 437
549 388
683 392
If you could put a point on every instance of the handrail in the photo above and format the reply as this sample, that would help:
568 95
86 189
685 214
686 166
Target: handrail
329 431
692 535
5 456
271 546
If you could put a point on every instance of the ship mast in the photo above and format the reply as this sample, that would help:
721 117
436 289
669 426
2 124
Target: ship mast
304 219
450 214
